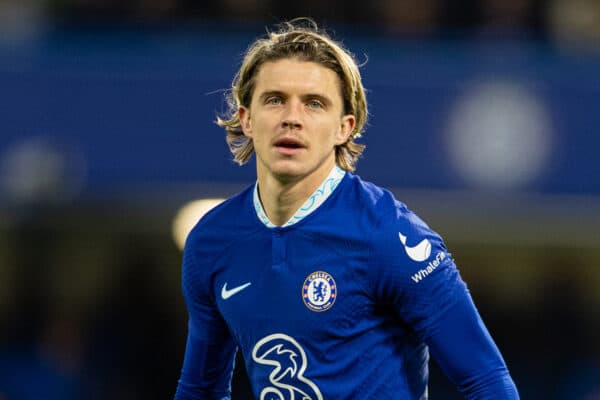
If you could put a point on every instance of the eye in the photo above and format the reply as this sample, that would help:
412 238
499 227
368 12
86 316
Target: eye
315 104
274 101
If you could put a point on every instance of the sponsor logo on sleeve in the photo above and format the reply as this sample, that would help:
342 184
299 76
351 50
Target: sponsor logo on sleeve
433 264
419 253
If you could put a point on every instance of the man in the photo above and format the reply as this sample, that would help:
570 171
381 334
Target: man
330 287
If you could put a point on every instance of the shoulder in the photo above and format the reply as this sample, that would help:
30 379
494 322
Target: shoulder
380 206
399 239
214 233
221 226
368 193
394 231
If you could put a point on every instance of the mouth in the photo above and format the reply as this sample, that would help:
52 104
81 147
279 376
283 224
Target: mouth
288 144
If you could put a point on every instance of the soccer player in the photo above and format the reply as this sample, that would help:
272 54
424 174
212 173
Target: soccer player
329 286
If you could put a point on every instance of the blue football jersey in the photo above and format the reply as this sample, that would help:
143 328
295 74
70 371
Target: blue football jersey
345 303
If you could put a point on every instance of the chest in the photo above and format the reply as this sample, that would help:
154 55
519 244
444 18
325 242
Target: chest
303 285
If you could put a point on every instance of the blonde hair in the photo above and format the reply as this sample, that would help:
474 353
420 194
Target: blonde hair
299 38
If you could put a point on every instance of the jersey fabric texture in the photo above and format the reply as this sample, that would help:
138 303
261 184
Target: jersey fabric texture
345 303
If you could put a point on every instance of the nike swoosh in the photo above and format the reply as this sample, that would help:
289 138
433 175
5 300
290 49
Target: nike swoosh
225 294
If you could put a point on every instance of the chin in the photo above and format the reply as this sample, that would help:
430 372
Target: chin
287 173
288 170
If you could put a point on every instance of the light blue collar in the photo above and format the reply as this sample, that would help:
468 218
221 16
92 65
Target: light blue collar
311 204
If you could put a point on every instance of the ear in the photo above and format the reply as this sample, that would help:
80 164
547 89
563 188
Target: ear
347 126
245 122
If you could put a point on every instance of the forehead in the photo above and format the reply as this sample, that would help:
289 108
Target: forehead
297 77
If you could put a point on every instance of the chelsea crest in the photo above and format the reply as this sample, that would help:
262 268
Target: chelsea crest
319 291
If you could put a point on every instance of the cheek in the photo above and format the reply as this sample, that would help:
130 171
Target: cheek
331 132
264 123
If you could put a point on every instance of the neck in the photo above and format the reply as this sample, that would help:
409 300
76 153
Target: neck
281 198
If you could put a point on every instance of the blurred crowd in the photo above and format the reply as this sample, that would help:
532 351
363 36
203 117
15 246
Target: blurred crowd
572 21
87 313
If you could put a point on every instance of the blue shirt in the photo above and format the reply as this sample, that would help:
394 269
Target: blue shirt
346 302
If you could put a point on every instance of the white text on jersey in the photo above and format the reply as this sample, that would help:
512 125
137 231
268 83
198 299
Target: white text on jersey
422 274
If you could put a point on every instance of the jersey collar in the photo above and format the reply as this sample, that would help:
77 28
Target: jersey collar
311 204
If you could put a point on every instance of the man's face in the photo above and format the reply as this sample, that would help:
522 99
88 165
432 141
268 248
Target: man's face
295 120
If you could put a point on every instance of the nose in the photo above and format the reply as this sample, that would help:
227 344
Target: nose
292 116
291 124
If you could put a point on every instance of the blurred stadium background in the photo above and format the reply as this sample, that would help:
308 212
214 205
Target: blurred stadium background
106 135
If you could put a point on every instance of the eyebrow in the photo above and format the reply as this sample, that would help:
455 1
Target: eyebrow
322 98
271 93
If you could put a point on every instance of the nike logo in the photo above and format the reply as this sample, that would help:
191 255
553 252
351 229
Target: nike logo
418 253
225 294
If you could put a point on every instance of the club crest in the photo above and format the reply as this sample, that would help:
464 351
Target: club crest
319 291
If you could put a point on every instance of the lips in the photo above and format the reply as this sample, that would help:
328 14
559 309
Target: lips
288 142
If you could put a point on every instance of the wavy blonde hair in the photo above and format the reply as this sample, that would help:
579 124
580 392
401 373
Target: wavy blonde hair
301 39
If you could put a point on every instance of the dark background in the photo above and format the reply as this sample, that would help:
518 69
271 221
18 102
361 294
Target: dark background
484 120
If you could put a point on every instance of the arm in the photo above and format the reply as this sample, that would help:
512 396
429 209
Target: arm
467 354
210 349
427 292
